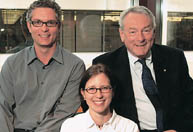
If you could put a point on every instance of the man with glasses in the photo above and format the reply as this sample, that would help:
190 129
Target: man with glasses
39 84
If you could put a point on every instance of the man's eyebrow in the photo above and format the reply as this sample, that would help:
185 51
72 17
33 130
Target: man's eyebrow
132 28
148 26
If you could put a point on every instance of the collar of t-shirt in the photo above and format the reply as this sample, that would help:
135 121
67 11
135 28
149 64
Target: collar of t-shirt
90 123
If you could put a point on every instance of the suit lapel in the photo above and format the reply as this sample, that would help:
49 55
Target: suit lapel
124 73
160 68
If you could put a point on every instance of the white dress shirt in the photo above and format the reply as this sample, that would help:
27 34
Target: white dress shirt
145 110
84 123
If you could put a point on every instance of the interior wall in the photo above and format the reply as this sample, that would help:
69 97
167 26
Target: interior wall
173 5
88 57
72 4
178 6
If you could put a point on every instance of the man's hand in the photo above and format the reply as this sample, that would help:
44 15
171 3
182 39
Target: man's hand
170 131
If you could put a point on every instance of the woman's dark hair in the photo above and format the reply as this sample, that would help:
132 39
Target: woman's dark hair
92 71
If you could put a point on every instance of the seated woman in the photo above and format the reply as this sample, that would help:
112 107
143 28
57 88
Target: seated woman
97 88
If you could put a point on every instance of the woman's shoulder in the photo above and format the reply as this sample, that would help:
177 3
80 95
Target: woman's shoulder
73 123
75 118
125 120
126 124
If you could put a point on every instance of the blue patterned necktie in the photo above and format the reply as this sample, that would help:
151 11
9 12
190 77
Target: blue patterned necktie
152 93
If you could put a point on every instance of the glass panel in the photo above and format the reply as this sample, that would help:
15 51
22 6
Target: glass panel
180 30
67 30
11 32
81 31
111 31
88 31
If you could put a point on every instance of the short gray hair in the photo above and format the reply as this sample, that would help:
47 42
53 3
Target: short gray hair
44 3
136 9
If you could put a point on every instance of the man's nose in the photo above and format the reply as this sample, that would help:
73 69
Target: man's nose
140 36
44 27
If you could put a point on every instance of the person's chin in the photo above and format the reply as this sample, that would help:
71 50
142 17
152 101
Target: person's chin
49 45
100 109
103 111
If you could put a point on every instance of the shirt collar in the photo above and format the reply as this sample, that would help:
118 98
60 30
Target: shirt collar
111 121
90 123
57 55
32 55
134 59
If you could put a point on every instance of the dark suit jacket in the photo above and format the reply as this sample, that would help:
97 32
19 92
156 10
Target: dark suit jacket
174 84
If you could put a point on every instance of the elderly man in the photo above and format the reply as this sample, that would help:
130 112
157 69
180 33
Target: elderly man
155 88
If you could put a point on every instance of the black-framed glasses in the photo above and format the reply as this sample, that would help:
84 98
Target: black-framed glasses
50 23
105 89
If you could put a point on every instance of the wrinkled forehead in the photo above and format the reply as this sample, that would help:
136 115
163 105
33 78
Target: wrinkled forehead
137 20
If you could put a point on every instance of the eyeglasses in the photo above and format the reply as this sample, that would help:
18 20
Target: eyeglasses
105 89
38 23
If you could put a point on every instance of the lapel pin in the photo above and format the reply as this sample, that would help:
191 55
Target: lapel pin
165 70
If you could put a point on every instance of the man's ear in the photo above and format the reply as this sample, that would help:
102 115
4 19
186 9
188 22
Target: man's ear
29 26
121 33
154 32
